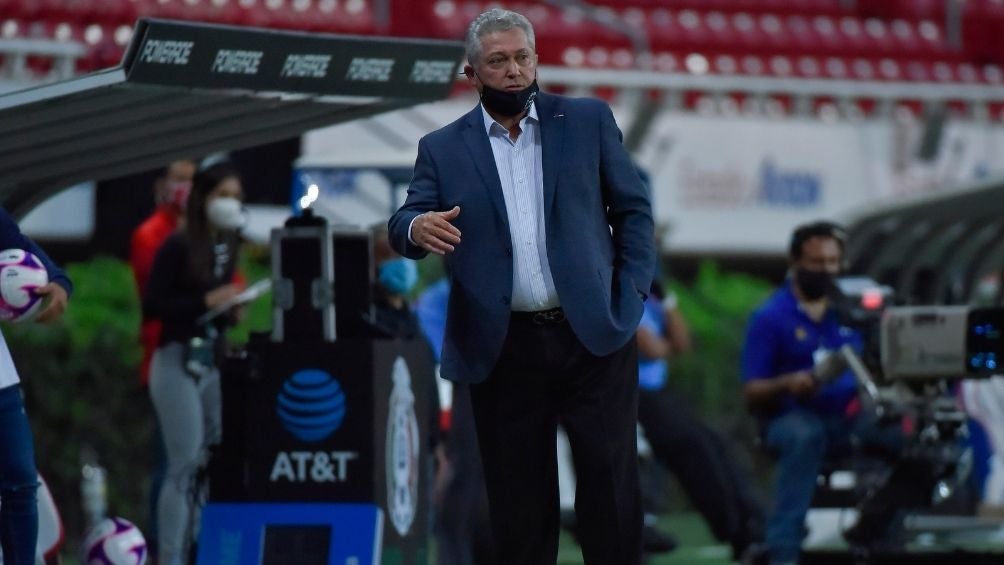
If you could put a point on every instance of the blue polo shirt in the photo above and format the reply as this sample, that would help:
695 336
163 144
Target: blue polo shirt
652 373
781 338
430 309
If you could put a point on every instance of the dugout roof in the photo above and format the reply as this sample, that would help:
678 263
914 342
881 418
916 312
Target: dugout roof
188 89
943 249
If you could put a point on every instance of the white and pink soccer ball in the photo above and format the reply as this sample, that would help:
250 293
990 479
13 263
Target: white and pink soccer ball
21 274
114 541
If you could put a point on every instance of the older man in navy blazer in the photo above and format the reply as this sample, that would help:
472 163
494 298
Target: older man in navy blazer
548 232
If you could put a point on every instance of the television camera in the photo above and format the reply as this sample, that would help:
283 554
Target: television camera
912 357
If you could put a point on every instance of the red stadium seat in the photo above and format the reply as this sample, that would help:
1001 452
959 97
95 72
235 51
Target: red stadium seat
907 38
749 37
932 39
863 69
692 31
918 9
852 36
992 74
890 69
781 66
919 71
10 28
880 36
808 66
667 62
721 31
943 71
967 73
170 9
801 36
831 41
836 68
724 64
450 18
663 29
752 65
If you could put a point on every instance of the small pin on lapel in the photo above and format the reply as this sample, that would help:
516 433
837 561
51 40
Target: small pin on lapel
558 116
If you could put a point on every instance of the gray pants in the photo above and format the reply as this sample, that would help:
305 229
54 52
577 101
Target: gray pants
189 414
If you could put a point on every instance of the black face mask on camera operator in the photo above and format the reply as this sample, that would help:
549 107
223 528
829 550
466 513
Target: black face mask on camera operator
813 285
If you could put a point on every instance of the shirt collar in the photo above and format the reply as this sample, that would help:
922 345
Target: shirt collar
792 303
490 121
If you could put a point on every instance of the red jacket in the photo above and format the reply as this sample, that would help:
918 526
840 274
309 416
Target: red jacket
146 240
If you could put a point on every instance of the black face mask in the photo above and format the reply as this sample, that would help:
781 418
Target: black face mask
508 103
813 284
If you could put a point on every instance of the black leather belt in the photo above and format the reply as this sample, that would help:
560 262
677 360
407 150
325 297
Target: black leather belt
551 317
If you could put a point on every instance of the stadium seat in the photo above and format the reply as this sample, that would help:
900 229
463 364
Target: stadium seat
919 71
745 34
801 36
992 74
890 69
724 64
836 68
906 37
667 62
692 31
917 9
863 69
831 42
808 66
721 31
663 28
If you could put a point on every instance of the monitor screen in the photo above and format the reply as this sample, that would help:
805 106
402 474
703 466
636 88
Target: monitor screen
300 544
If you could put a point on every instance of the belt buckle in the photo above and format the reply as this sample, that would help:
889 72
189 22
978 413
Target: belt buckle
549 317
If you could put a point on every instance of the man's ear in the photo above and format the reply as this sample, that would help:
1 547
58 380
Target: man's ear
469 73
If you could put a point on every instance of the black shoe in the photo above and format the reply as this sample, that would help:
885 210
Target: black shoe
752 554
750 534
654 541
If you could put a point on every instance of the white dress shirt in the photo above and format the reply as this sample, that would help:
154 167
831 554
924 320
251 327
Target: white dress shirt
8 374
521 173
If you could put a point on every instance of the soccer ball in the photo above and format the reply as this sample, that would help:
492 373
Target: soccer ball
21 273
114 541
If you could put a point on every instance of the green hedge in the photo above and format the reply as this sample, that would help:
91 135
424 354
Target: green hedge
82 389
82 392
716 306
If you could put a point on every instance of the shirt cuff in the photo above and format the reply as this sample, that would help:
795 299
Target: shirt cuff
410 240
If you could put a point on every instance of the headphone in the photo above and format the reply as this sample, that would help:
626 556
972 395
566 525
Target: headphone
820 228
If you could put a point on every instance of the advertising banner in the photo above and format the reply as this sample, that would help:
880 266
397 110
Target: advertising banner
727 185
180 54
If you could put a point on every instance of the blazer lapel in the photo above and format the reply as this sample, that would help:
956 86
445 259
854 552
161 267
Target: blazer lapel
552 139
476 140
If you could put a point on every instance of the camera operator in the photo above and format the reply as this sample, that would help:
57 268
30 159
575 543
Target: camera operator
806 412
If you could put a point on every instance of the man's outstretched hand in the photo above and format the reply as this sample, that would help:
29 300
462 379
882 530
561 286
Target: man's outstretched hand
433 231
57 300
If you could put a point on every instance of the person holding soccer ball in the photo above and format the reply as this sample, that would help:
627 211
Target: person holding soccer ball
18 476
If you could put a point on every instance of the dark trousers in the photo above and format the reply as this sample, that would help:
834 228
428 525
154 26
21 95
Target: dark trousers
463 531
18 481
717 486
545 376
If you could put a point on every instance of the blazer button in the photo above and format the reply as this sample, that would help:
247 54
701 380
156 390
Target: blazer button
505 300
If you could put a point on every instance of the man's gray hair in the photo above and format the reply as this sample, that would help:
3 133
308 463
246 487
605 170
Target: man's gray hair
491 21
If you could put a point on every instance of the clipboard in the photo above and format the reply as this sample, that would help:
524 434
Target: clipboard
247 295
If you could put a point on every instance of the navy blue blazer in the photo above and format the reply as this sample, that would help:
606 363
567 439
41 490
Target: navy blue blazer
598 220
